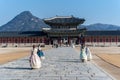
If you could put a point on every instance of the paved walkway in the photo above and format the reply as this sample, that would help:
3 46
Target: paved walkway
60 64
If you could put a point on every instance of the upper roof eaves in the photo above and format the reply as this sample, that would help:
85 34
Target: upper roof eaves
64 19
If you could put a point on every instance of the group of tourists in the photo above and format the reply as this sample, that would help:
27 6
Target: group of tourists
36 57
85 54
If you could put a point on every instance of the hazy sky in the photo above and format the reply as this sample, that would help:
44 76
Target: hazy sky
94 11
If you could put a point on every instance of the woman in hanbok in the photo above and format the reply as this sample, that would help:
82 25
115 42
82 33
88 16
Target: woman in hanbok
35 61
88 53
40 53
83 55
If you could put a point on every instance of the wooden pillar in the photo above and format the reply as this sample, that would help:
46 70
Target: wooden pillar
18 39
0 40
110 40
69 40
23 40
42 40
104 40
45 40
37 39
32 40
97 40
91 39
116 39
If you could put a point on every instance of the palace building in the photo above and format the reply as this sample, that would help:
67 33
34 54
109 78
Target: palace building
102 38
63 30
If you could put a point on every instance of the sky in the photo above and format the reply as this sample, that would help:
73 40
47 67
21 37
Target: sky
93 11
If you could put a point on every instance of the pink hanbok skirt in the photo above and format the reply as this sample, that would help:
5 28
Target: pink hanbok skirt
35 61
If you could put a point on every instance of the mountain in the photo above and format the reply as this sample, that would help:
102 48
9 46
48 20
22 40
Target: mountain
100 26
25 21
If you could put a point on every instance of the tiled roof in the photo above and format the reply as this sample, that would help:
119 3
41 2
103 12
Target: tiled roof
101 33
65 31
22 34
41 33
64 20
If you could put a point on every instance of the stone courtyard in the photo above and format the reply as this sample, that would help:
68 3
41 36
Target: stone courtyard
61 63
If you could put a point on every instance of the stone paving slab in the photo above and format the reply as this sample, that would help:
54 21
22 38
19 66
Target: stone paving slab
60 64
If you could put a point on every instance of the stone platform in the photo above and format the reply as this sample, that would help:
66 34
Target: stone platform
60 64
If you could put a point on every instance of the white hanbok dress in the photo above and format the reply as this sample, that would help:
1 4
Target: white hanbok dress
88 53
83 54
35 61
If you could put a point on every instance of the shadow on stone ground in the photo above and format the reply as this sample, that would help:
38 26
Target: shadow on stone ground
17 68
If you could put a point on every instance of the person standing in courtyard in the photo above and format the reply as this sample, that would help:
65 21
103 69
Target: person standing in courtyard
40 53
34 60
83 55
88 53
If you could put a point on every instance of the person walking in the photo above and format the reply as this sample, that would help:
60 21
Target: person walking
40 53
88 53
34 60
83 55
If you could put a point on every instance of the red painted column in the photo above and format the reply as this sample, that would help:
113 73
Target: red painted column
0 40
26 39
18 40
32 40
91 40
104 40
98 40
69 40
110 40
23 40
37 39
45 40
42 40
116 40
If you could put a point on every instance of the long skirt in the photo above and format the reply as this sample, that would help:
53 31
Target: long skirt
83 56
35 61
